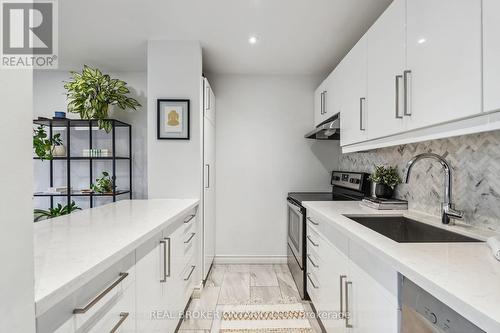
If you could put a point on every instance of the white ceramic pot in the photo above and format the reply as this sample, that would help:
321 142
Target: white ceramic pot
59 151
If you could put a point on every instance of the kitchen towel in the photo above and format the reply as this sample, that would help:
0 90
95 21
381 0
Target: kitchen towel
494 243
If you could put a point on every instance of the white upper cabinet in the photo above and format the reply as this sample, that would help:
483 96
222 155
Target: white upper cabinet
353 95
444 57
491 54
386 63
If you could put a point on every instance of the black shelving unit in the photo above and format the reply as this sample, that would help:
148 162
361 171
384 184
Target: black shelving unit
67 124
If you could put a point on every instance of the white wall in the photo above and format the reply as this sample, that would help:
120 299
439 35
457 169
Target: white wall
174 166
261 156
17 306
49 96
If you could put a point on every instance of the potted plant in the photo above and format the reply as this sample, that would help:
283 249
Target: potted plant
103 184
384 181
45 147
90 93
59 210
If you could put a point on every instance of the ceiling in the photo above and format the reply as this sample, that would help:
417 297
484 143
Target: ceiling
294 36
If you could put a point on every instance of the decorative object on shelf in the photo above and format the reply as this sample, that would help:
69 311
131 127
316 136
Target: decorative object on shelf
103 184
59 210
97 153
59 115
90 93
44 146
172 119
384 181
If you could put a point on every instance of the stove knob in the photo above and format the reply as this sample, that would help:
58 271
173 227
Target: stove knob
432 317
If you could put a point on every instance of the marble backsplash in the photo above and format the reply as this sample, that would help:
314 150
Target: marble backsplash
475 163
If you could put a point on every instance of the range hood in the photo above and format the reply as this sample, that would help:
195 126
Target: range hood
327 130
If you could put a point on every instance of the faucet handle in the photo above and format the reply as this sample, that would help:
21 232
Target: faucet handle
453 213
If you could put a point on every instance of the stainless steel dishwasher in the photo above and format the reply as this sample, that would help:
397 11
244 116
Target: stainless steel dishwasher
423 313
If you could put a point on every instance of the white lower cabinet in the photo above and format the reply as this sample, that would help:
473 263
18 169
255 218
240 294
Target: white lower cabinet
144 292
345 294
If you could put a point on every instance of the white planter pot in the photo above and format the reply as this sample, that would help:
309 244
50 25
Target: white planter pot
59 151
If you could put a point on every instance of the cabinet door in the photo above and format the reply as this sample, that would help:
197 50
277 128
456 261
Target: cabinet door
151 266
208 226
370 307
353 94
491 54
444 57
386 63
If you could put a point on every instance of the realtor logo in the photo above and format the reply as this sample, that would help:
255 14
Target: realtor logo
29 31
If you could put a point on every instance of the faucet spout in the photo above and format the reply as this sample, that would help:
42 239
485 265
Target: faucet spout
448 210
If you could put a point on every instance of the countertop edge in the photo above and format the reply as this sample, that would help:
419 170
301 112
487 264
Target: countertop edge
45 303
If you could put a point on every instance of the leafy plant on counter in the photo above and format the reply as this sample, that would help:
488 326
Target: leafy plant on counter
386 175
103 184
59 210
43 145
90 93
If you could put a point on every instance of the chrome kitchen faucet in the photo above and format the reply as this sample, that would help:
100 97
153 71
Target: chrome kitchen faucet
447 208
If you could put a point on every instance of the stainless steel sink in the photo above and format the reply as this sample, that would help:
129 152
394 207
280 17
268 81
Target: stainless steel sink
404 230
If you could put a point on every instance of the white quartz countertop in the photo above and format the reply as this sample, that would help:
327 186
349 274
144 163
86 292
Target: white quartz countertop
71 250
465 276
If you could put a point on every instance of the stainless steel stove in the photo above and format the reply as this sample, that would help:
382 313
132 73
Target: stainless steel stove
346 186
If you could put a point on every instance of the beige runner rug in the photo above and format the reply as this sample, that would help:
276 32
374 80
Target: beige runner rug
277 318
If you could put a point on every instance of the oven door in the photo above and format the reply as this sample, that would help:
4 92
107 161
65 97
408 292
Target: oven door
295 231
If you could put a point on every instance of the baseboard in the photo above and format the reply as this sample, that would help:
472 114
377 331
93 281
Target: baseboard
252 259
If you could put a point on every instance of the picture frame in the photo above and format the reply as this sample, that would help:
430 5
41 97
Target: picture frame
172 119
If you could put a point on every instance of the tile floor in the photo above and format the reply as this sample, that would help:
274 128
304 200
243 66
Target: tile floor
241 284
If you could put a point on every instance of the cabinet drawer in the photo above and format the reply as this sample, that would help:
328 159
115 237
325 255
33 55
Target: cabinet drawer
188 278
325 228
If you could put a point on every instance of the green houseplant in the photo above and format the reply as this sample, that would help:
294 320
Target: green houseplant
59 210
90 93
43 145
103 184
384 181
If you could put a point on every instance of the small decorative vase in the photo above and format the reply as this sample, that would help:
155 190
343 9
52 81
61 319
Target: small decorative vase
59 151
381 191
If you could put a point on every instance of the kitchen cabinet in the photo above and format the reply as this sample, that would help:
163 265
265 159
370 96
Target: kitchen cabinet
321 103
345 278
444 56
385 65
208 254
353 96
491 55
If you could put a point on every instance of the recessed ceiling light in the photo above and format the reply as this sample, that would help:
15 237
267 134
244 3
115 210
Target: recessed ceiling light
422 40
253 40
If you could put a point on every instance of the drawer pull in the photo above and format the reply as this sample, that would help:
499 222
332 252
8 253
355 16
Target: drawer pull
311 280
123 317
347 314
190 217
342 277
312 242
312 262
166 266
190 273
101 295
190 238
310 220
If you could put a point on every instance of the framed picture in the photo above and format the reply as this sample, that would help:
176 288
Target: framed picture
172 119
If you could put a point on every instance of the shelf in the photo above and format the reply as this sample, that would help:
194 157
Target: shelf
79 194
85 158
74 122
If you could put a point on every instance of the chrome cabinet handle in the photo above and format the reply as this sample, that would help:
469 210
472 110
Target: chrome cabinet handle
311 280
324 102
166 266
342 277
310 220
190 273
347 314
312 262
190 238
123 317
362 113
312 242
207 91
398 102
407 92
87 307
190 217
208 176
321 103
